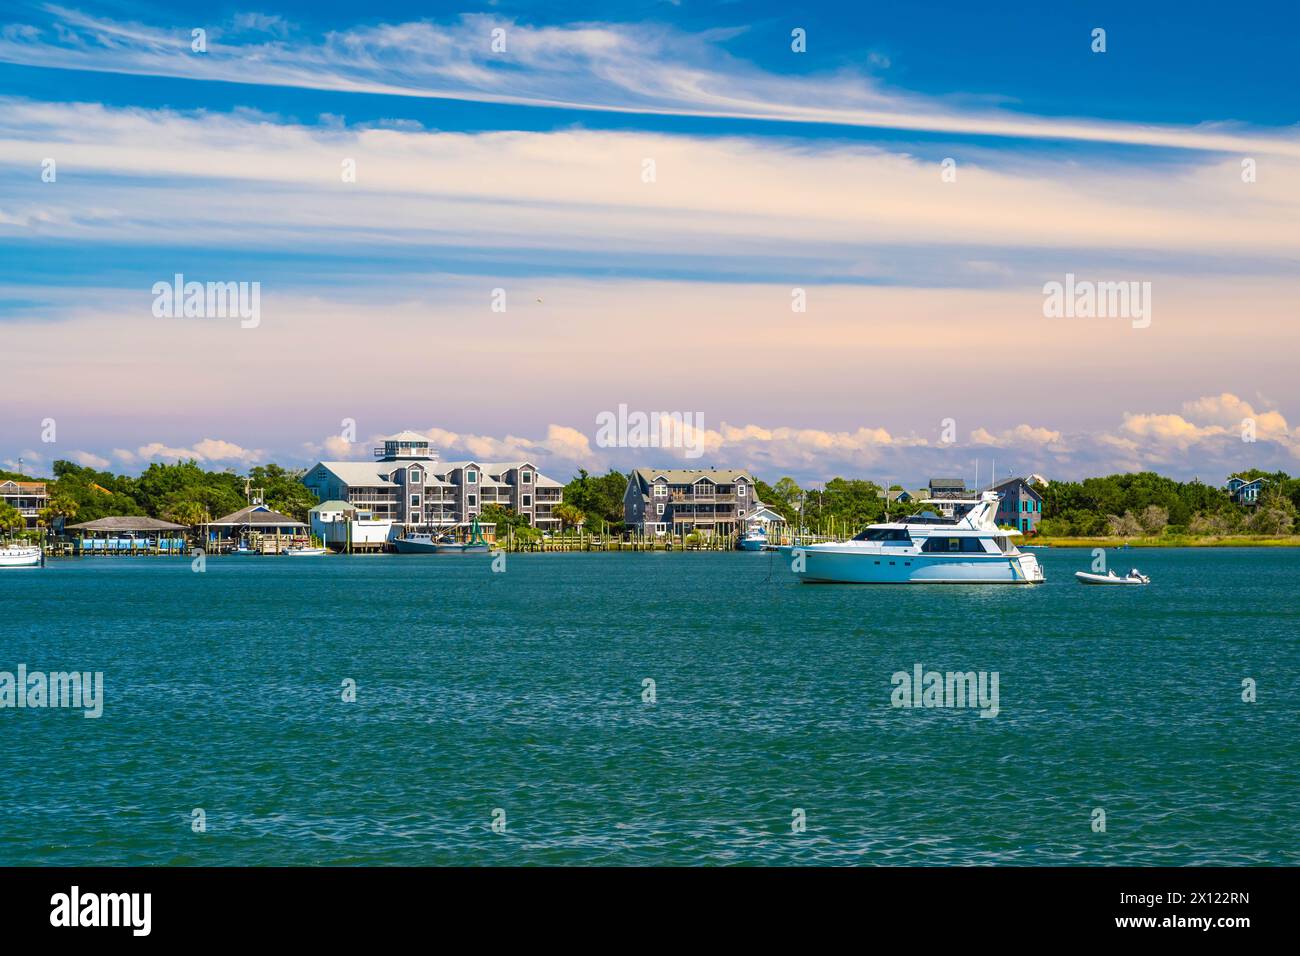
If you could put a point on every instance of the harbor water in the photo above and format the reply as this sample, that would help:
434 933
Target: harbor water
650 708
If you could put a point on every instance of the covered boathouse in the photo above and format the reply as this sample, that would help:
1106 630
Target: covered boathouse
259 528
126 535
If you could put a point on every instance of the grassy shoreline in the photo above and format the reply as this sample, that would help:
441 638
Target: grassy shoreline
1173 541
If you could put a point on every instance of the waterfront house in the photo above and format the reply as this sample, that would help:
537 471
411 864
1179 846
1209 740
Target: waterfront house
1021 505
955 493
345 526
1245 491
264 529
681 500
128 534
29 497
408 485
902 496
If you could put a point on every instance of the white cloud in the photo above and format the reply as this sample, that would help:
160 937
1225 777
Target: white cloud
732 198
89 460
207 451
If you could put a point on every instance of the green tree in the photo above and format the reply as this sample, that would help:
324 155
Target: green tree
1275 514
569 516
599 497
11 519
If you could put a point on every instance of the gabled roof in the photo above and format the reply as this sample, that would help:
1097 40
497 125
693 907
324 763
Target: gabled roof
407 436
33 486
998 486
256 515
363 474
948 484
335 505
688 476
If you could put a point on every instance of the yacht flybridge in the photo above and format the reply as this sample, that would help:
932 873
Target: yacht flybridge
923 549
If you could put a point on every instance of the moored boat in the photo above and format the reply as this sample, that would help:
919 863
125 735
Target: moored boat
306 551
1110 577
923 549
20 556
755 539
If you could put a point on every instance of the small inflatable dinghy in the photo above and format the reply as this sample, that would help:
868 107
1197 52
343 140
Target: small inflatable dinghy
1110 577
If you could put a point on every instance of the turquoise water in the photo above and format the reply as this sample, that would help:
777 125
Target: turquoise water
523 691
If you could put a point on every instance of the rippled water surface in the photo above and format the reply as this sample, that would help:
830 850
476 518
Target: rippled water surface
523 691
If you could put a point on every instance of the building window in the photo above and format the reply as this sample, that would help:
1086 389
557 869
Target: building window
526 477
415 501
659 509
661 491
740 490
471 500
415 476
528 500
471 477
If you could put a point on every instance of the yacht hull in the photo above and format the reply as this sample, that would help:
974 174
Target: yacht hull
822 565
20 557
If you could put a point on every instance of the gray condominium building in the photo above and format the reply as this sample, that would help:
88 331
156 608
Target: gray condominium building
410 486
681 500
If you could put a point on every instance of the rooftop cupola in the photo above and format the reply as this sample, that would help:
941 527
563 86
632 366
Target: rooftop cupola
405 445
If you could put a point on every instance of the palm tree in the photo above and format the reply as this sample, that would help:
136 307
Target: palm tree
11 519
189 513
568 515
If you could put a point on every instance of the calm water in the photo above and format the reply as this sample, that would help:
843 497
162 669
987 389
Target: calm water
523 691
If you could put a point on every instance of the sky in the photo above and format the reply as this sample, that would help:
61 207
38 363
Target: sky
827 233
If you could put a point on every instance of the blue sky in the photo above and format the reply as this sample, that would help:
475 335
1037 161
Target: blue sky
522 169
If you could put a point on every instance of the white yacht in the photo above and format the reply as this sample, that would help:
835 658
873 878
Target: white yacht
923 549
19 556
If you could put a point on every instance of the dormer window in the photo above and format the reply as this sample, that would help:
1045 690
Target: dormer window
526 477
471 477
415 476
740 490
661 491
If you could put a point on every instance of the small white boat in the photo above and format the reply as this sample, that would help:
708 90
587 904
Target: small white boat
755 539
1110 577
305 552
20 556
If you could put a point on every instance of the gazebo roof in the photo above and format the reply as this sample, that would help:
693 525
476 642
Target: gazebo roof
126 523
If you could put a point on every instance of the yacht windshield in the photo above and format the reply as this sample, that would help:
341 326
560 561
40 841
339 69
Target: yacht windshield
884 534
953 544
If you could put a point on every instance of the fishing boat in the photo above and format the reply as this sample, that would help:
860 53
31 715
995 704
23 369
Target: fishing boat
20 556
1110 577
925 548
755 539
441 543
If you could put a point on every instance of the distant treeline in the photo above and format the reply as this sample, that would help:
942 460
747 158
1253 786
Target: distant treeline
1128 504
1149 504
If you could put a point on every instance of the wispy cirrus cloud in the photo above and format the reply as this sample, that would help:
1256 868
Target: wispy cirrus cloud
631 68
819 208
